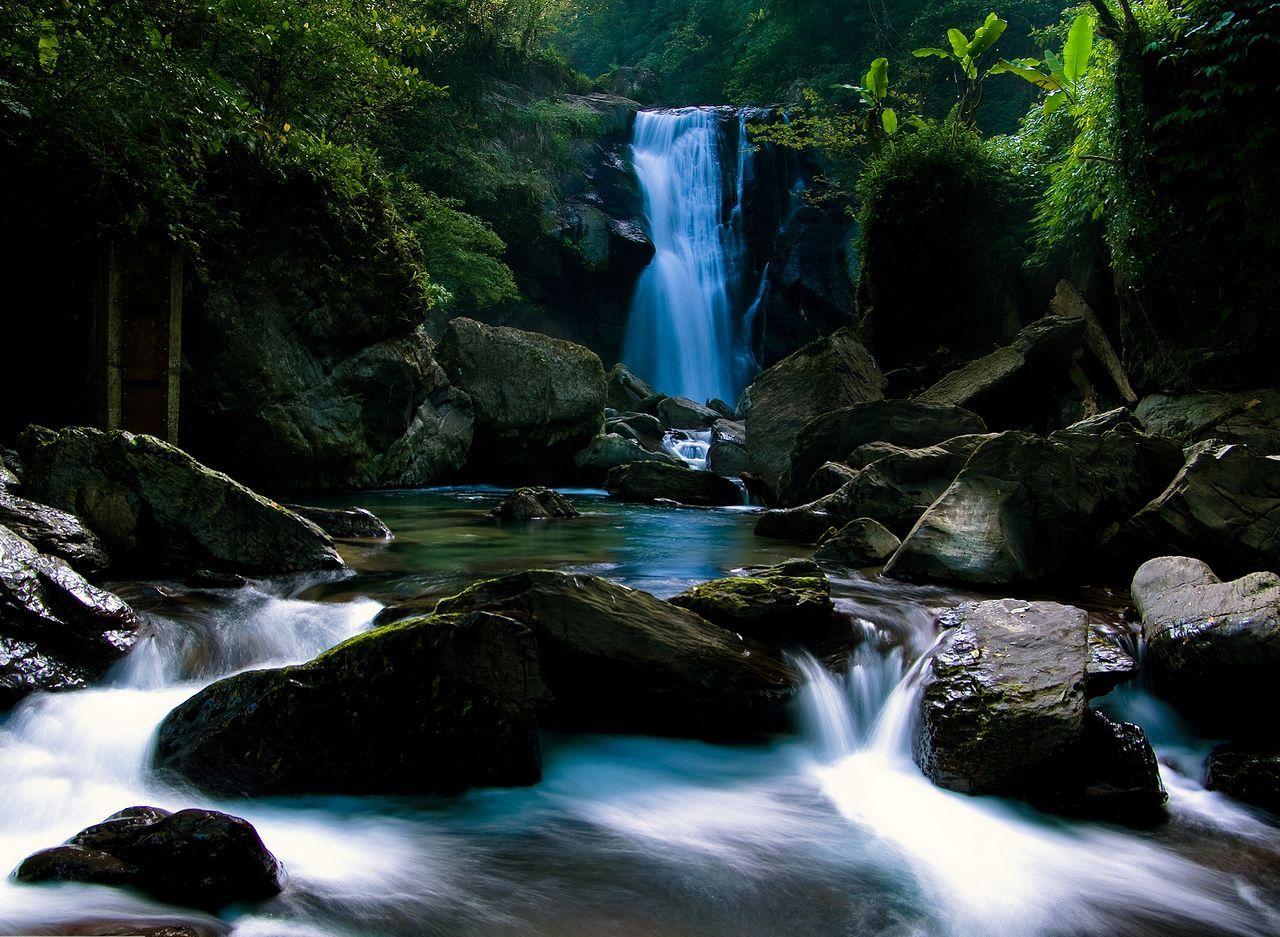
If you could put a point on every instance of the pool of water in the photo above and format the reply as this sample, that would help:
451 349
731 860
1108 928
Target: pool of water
829 831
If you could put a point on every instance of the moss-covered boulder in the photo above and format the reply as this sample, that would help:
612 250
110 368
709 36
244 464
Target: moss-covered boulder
537 400
785 605
861 542
198 858
825 375
429 705
660 481
1003 712
620 660
1213 647
156 508
534 504
57 631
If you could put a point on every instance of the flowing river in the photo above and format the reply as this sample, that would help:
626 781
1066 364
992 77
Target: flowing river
830 831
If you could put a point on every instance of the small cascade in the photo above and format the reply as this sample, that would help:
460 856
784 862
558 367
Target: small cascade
691 446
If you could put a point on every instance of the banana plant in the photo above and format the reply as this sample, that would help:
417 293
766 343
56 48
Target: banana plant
874 93
967 54
1061 77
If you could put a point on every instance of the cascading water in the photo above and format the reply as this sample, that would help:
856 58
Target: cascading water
684 333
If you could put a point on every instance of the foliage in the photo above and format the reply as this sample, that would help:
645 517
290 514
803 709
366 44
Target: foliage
1062 77
968 55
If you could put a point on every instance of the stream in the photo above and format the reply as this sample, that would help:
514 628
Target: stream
830 831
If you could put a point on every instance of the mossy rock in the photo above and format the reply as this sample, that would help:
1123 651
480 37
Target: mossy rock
781 605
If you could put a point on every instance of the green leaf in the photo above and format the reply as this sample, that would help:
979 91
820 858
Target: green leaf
988 34
1052 62
47 47
1054 102
1075 54
889 118
959 42
877 80
931 53
1037 78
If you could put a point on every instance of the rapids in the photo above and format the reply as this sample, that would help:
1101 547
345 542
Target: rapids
830 831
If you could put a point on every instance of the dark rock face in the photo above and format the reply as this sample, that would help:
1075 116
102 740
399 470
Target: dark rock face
642 427
1109 665
785 605
1223 507
619 660
1213 647
1248 774
347 523
1003 712
683 413
825 375
1008 387
537 400
429 705
609 451
861 542
1251 418
832 436
156 508
56 630
198 858
624 390
728 453
534 504
658 481
804 524
1028 508
829 478
55 532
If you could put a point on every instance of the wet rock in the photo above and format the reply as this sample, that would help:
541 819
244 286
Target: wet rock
57 631
683 413
158 509
198 858
1223 507
347 523
1121 777
1003 708
624 390
727 411
784 605
211 579
825 375
645 428
804 524
831 437
1213 647
620 660
8 477
728 454
609 451
534 504
1029 508
1012 386
55 532
1247 773
1251 418
861 542
1109 665
430 705
537 400
657 481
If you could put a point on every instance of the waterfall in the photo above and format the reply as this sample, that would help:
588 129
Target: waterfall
684 331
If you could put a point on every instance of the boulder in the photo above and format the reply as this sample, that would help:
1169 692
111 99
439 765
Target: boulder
8 477
782 605
624 390
1109 664
1029 508
1223 507
644 428
620 660
1101 422
1248 773
728 452
609 451
156 508
429 705
861 542
804 524
1212 647
1013 386
537 400
346 523
1251 418
828 479
727 411
825 375
683 413
1003 712
658 481
197 858
55 532
832 436
534 504
57 631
